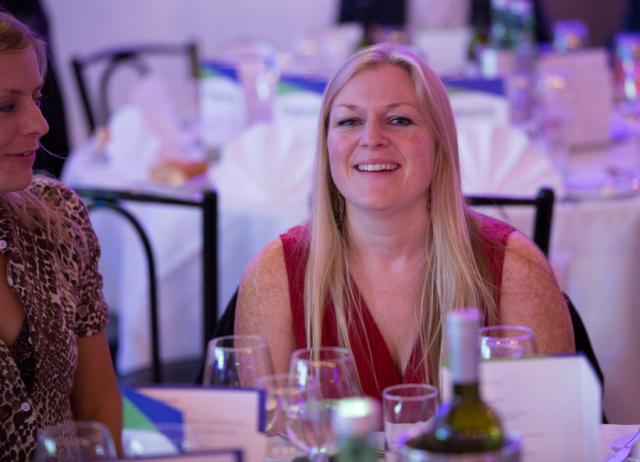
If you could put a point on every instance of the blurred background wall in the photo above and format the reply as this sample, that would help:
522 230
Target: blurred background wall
83 26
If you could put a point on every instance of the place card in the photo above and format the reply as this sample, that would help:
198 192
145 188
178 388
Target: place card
552 402
234 419
589 92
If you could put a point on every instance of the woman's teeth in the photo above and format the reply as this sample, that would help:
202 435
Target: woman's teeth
376 167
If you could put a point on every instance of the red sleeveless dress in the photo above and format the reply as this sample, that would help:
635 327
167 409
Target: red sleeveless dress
366 339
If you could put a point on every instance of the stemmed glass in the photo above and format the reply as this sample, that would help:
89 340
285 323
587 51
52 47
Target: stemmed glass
237 361
507 342
77 441
319 377
277 388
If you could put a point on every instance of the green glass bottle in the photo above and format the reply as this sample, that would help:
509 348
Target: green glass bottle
355 420
465 424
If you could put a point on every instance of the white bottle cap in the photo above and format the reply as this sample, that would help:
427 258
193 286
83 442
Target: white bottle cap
356 416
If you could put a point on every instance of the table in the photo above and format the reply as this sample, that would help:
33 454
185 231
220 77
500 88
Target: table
595 251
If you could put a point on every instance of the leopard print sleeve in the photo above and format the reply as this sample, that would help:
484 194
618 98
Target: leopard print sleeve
91 310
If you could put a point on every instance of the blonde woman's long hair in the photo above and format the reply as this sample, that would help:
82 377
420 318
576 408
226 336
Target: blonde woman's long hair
30 210
455 273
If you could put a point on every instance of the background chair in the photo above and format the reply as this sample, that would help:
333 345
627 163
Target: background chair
94 74
543 204
208 203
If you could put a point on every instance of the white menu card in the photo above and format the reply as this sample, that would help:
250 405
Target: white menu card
234 418
552 402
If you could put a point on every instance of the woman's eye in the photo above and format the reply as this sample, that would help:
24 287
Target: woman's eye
403 121
347 122
7 107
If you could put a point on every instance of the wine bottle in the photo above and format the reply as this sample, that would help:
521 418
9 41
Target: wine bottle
465 424
355 420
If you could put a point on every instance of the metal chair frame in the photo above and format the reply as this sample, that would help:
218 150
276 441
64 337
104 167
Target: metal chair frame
543 202
113 200
98 112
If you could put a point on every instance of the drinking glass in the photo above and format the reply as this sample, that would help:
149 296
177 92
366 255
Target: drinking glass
75 441
237 361
407 408
320 377
507 342
276 388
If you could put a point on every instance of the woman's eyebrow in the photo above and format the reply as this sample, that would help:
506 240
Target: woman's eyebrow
388 106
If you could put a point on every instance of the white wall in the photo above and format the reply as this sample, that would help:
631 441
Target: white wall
84 26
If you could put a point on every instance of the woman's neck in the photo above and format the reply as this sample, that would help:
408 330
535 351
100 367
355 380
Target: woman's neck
395 238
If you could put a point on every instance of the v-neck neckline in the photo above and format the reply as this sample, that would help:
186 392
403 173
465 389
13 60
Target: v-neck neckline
377 348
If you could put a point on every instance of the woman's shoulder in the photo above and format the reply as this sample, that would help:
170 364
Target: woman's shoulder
492 227
55 193
266 264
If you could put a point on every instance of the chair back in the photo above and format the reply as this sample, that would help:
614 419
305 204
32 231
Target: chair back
542 203
116 200
95 74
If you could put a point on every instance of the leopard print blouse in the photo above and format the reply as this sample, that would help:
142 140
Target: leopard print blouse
60 288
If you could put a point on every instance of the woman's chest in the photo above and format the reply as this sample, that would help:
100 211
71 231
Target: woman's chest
393 303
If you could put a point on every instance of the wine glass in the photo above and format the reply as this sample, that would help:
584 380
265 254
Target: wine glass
407 407
75 441
276 389
507 342
319 377
237 361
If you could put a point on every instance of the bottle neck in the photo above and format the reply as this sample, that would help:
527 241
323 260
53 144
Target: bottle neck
464 354
466 391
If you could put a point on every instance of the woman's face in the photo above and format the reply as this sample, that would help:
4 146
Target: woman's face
381 154
21 122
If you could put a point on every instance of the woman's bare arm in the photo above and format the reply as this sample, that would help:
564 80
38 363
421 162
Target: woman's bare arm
530 296
95 394
264 306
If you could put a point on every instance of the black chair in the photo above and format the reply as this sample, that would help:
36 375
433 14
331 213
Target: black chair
543 204
208 203
142 59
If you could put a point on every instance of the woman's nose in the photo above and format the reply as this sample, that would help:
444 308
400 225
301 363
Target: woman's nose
35 123
373 134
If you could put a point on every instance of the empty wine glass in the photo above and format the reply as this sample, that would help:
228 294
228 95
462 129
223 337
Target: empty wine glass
276 390
75 441
507 342
237 361
319 377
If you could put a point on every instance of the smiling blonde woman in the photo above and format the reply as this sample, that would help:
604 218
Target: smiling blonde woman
391 246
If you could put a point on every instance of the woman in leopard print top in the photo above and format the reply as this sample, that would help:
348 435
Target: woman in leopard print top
54 359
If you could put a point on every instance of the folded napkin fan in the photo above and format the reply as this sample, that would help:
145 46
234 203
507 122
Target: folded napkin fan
267 163
132 148
500 159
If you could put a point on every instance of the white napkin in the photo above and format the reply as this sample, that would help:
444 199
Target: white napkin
132 147
500 159
267 163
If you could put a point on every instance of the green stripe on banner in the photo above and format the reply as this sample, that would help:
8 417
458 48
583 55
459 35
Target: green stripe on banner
134 417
